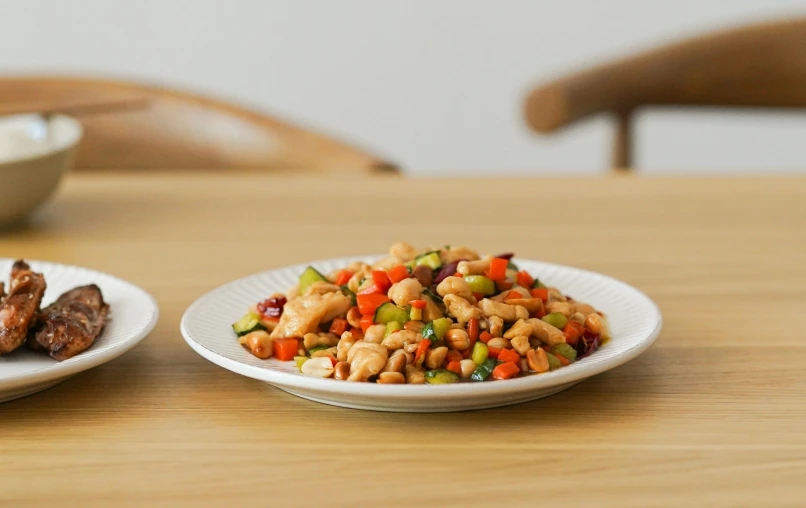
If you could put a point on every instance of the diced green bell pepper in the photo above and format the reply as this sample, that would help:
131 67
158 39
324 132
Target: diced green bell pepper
308 277
565 350
484 370
392 327
441 377
247 324
480 353
554 363
436 329
556 319
480 284
300 360
429 259
348 292
390 312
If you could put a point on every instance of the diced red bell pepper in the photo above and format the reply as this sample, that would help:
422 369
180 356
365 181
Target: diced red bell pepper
506 370
418 304
494 351
368 303
338 326
572 332
524 279
513 294
498 269
457 274
370 290
509 355
473 330
344 277
398 273
485 336
285 349
453 356
563 360
421 349
367 321
455 367
542 293
381 280
478 296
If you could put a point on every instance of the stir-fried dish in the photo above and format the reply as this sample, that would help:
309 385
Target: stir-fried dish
436 316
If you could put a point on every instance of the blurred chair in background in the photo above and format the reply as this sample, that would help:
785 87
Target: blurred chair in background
761 66
179 131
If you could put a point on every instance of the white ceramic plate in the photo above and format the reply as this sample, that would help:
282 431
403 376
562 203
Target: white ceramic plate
634 319
133 314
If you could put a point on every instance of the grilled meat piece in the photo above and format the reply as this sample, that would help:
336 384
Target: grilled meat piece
71 324
19 307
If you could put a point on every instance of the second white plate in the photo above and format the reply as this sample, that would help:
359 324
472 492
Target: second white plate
132 315
634 319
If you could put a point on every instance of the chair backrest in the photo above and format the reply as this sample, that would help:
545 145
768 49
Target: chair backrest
762 66
179 130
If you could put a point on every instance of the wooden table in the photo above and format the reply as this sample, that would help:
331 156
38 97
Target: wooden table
713 415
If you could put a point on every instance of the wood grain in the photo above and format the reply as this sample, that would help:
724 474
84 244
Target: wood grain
758 66
185 131
712 415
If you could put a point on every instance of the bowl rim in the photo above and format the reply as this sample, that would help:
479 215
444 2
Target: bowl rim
72 142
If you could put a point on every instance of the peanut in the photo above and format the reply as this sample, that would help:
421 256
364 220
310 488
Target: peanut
595 324
318 367
354 317
341 370
499 342
577 317
259 343
537 360
467 366
423 274
395 363
457 339
392 378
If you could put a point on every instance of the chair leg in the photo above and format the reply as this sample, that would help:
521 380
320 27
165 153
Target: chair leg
622 144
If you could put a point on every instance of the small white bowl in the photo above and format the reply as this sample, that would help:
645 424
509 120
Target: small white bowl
34 154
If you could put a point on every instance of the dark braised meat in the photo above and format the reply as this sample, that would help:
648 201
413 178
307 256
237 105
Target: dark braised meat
19 307
71 324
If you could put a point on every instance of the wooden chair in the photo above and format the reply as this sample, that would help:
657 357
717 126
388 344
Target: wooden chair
761 66
179 131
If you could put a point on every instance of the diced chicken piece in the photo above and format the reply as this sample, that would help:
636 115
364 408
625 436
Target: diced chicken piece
321 288
302 315
508 313
461 309
405 291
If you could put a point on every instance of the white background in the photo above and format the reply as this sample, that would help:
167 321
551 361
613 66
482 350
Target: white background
436 86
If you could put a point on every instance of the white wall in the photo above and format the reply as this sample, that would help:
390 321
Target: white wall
435 85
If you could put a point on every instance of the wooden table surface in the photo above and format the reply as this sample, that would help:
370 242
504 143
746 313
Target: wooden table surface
713 415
